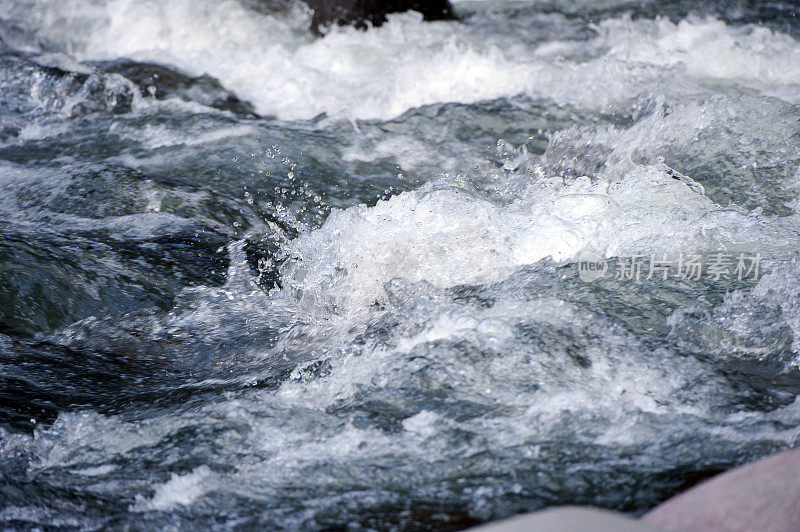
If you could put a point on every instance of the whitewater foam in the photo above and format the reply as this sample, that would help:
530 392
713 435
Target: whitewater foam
448 234
179 490
381 73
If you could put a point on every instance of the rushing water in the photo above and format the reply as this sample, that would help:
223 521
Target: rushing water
253 278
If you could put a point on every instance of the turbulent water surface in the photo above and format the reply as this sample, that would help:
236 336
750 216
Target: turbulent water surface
250 278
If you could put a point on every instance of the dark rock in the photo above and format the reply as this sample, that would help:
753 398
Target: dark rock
164 82
360 13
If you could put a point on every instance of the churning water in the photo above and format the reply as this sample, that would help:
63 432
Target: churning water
252 278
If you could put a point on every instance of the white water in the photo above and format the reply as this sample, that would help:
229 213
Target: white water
274 63
436 344
448 235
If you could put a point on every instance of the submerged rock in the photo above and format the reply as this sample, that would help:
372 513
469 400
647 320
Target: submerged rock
163 82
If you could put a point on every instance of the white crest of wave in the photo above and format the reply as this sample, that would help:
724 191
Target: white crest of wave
273 61
178 490
446 234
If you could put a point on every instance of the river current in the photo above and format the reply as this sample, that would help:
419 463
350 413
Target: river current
424 275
